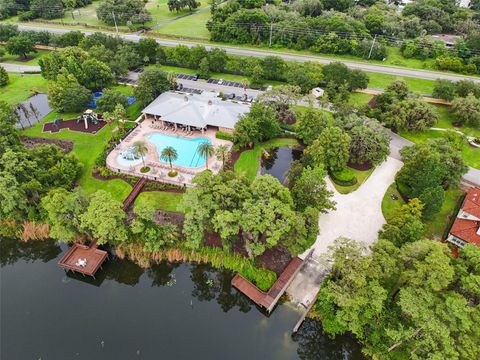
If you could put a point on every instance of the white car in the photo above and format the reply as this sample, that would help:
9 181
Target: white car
220 82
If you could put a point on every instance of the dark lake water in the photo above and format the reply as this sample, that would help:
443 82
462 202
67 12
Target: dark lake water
279 161
171 311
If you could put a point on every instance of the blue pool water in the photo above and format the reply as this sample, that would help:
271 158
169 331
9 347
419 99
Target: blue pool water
186 148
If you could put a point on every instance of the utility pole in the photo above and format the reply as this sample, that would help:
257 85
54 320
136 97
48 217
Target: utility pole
115 21
271 31
373 44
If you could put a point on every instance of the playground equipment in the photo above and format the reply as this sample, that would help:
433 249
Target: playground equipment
88 117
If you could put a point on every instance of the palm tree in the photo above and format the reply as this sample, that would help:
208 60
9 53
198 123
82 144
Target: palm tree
222 153
206 150
169 154
141 149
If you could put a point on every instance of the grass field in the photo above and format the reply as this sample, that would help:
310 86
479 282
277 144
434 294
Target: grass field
248 162
361 176
13 59
190 26
434 227
87 147
168 201
470 155
381 81
88 15
21 87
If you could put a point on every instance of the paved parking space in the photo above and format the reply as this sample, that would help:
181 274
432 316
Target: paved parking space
227 83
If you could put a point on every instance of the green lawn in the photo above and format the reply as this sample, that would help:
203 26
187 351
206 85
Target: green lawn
470 155
249 161
88 15
360 99
168 201
434 227
193 26
381 81
390 206
86 147
21 87
13 59
361 176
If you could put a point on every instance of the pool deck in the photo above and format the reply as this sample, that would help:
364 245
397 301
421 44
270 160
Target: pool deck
159 169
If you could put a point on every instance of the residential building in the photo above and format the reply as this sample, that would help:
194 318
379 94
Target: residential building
466 227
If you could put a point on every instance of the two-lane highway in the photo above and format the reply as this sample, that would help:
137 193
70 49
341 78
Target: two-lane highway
377 68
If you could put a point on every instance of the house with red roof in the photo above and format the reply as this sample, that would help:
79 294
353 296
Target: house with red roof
466 228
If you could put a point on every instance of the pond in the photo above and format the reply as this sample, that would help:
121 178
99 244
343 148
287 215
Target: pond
277 161
170 311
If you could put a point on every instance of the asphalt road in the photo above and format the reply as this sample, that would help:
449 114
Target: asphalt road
390 70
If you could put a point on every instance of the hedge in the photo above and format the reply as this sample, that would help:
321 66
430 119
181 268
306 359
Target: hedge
224 136
345 177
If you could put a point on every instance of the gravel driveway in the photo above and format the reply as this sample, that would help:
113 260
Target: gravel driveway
359 214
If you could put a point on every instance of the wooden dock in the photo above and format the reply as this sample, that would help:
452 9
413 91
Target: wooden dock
268 300
83 259
134 193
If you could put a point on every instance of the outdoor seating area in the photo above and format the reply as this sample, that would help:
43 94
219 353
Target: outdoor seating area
117 160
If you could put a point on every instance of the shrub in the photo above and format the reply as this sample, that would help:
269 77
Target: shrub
172 173
224 136
345 177
144 169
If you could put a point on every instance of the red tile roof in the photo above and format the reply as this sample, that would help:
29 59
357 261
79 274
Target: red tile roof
467 229
471 204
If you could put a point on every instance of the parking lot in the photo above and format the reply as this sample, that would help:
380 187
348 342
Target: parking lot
227 83
187 77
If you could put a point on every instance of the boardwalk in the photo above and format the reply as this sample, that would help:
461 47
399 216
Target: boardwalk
134 193
268 300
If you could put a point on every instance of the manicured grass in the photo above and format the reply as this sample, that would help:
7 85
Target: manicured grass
86 147
168 201
13 59
249 161
360 99
381 81
434 227
361 176
470 155
21 87
189 26
390 206
159 11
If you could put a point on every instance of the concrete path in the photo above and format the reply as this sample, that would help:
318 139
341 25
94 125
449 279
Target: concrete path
18 68
377 68
358 216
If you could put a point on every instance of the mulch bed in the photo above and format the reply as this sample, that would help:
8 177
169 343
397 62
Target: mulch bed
361 167
30 142
74 126
212 239
162 217
276 259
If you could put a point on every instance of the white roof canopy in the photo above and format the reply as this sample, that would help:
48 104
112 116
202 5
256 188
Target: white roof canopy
198 110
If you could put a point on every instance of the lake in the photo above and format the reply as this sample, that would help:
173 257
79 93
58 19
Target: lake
170 311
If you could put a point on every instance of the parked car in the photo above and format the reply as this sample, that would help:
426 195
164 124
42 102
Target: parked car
220 82
244 97
231 96
195 77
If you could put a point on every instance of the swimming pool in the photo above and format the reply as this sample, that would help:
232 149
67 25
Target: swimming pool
186 148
